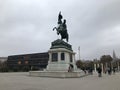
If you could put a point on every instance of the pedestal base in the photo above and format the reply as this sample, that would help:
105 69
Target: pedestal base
58 67
56 74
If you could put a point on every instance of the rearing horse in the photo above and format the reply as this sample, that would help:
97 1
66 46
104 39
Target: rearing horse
62 30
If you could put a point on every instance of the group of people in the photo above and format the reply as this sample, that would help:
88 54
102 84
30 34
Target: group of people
88 70
108 70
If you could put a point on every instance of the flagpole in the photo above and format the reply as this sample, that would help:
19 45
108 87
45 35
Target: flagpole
79 52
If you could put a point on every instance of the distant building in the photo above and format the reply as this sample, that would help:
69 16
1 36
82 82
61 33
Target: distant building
28 61
114 56
2 59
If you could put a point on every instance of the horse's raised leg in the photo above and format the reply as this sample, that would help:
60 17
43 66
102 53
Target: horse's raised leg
54 28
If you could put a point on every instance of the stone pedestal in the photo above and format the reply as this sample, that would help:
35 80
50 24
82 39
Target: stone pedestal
61 57
61 62
64 60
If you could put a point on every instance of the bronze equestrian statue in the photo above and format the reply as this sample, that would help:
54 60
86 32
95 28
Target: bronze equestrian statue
62 28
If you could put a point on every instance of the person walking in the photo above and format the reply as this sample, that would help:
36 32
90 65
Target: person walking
99 70
109 71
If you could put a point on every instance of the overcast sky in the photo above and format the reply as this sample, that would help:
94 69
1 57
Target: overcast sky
26 26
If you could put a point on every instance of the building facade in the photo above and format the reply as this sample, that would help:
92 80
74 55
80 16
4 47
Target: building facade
26 62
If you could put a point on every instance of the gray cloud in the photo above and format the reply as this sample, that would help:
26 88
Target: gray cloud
26 26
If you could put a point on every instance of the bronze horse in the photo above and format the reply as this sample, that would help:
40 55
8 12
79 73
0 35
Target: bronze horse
62 31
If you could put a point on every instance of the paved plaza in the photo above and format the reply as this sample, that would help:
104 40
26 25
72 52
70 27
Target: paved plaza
22 81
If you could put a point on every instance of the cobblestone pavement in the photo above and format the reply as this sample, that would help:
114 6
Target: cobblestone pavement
22 81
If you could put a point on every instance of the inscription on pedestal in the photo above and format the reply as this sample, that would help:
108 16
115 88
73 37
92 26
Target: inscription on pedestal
71 58
62 56
54 57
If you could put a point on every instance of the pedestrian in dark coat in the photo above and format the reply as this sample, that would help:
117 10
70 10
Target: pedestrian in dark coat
99 70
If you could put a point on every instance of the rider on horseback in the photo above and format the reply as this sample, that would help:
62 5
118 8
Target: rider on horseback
62 28
60 18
